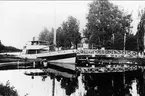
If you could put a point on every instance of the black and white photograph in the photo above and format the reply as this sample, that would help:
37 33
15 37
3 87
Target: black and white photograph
72 48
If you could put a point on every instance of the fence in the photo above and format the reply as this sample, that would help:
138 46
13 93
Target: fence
112 53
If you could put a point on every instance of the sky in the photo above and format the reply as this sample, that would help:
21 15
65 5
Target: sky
20 21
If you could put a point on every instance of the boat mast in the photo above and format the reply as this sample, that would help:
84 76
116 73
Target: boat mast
54 40
54 37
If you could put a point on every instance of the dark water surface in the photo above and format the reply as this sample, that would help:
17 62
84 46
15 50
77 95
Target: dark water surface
106 84
100 84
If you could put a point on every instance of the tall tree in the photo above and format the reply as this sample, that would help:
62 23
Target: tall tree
131 42
68 34
46 35
106 20
66 38
141 31
73 30
60 37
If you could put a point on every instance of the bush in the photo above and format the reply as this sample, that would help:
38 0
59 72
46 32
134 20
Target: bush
7 90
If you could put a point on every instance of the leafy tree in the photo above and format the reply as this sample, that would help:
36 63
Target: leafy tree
131 42
65 33
46 35
104 21
43 34
7 90
68 34
59 37
140 31
73 29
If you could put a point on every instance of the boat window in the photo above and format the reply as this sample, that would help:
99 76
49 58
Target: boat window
43 43
31 51
41 51
34 43
38 43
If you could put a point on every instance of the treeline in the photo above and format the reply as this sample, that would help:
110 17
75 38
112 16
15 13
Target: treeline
4 48
108 26
67 34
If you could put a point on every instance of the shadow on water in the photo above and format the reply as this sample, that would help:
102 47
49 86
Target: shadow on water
69 84
105 84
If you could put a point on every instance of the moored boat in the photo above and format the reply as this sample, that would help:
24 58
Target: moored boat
41 50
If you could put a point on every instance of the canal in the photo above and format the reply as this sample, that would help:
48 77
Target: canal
101 84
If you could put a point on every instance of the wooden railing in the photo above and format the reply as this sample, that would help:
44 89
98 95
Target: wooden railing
112 53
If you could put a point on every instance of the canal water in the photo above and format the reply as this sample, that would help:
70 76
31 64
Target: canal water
101 84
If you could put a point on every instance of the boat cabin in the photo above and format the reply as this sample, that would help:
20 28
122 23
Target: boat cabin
35 47
38 43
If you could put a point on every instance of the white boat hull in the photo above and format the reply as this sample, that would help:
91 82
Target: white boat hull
63 56
59 73
66 60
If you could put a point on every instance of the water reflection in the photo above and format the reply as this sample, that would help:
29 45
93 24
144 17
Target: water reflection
105 84
101 84
114 84
24 84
